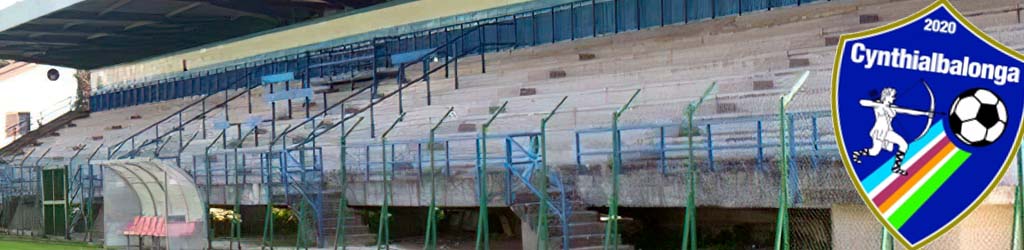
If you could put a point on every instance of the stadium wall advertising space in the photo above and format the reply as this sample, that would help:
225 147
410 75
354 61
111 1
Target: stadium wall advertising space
928 113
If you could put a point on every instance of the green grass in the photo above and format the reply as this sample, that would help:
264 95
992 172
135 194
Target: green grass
8 243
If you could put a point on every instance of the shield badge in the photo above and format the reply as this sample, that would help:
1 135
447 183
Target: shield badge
927 113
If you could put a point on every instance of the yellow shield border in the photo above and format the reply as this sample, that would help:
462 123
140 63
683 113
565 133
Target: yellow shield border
839 137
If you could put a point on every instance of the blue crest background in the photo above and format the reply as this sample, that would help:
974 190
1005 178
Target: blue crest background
856 83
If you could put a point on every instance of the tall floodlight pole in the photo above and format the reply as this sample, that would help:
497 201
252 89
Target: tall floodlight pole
1018 206
782 222
611 229
690 221
542 212
483 240
431 238
339 234
384 230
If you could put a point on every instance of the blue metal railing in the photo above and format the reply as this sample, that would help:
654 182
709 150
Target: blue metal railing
816 140
745 135
178 126
450 50
525 176
409 154
563 22
307 186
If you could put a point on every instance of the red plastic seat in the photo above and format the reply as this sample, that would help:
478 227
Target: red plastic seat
150 228
132 228
160 230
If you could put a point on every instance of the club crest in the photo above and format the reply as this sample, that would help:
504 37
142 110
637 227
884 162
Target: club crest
927 113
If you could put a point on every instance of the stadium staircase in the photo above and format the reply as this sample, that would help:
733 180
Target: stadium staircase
570 224
357 232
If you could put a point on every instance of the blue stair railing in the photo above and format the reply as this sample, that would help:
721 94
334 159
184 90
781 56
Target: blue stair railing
532 160
302 177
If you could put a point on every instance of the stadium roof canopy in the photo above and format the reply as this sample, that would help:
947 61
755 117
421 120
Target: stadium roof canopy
94 33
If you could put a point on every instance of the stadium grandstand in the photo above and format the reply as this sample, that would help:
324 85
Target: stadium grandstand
456 124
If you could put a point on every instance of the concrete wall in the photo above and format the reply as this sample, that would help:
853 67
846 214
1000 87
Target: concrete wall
642 187
988 227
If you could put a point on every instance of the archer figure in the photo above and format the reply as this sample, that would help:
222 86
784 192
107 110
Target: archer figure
882 134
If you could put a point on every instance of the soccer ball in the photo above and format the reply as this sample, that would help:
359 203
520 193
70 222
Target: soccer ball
978 117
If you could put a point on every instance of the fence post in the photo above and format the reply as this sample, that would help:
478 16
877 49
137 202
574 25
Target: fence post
367 155
426 78
690 218
782 221
1018 206
447 159
483 48
593 17
483 228
306 83
814 141
760 146
886 240
400 80
611 233
384 228
711 149
542 212
579 152
661 149
615 16
572 22
554 31
339 234
431 235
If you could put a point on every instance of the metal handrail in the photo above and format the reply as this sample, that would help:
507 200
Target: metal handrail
529 185
68 104
117 146
818 143
395 92
302 192
573 6
372 103
336 104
